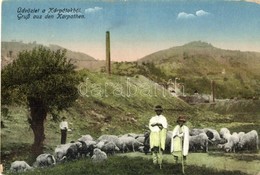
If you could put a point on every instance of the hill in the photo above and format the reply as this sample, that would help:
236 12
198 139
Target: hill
10 50
107 105
110 104
236 73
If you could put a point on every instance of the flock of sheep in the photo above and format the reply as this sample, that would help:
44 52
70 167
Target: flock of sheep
99 149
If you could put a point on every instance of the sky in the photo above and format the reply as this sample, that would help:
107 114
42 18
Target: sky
137 28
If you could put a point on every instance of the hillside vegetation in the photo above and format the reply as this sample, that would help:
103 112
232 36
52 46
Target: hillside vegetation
236 73
107 105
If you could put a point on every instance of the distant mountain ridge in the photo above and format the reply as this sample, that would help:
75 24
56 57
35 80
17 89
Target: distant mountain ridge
198 50
10 50
236 73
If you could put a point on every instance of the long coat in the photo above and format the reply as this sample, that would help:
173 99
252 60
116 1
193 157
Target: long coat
158 136
176 142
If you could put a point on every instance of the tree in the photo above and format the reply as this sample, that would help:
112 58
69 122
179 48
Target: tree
43 80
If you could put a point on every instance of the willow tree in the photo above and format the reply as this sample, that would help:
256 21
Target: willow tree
43 80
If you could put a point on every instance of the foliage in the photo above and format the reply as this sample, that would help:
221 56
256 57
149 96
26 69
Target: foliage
43 74
236 73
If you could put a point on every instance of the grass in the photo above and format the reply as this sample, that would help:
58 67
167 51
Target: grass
217 161
123 165
118 113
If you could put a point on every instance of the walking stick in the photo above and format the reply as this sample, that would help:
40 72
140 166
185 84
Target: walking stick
160 146
182 161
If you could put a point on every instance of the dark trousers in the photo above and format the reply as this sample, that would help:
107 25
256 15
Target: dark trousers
63 136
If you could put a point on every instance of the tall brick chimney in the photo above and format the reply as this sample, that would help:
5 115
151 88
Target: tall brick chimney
108 59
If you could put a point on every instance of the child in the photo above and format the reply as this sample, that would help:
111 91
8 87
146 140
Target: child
64 128
180 140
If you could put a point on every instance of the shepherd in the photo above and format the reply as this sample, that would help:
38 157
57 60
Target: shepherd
158 127
180 141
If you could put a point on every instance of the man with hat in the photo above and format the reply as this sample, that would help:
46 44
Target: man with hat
180 140
158 127
63 128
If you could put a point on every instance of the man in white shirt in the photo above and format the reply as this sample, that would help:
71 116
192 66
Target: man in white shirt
63 127
158 127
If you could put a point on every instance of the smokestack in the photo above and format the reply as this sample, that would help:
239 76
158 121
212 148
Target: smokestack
213 90
108 59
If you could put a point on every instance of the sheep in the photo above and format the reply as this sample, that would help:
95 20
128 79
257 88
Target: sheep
98 156
87 148
67 151
140 139
133 135
44 160
223 131
198 142
130 143
73 150
20 166
61 151
119 143
109 148
86 138
249 141
195 131
101 143
232 142
213 134
108 137
114 139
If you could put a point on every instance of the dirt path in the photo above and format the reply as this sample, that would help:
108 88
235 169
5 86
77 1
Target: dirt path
216 162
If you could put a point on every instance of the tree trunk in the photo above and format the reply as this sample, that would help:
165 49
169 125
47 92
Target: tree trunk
38 115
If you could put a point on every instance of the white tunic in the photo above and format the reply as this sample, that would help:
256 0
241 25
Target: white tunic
64 125
157 119
181 132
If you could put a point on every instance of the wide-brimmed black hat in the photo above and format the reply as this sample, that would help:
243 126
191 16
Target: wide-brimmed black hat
158 108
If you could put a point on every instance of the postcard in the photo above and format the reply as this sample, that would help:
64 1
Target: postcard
130 87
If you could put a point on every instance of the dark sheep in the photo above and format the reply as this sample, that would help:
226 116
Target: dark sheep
73 151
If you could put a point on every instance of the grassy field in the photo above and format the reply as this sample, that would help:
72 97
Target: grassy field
136 163
244 163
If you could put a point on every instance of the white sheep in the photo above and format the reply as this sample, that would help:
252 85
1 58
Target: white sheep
61 151
20 166
98 156
114 139
198 142
249 141
215 135
44 160
110 148
101 143
196 131
223 131
131 143
232 142
86 138
240 135
140 139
